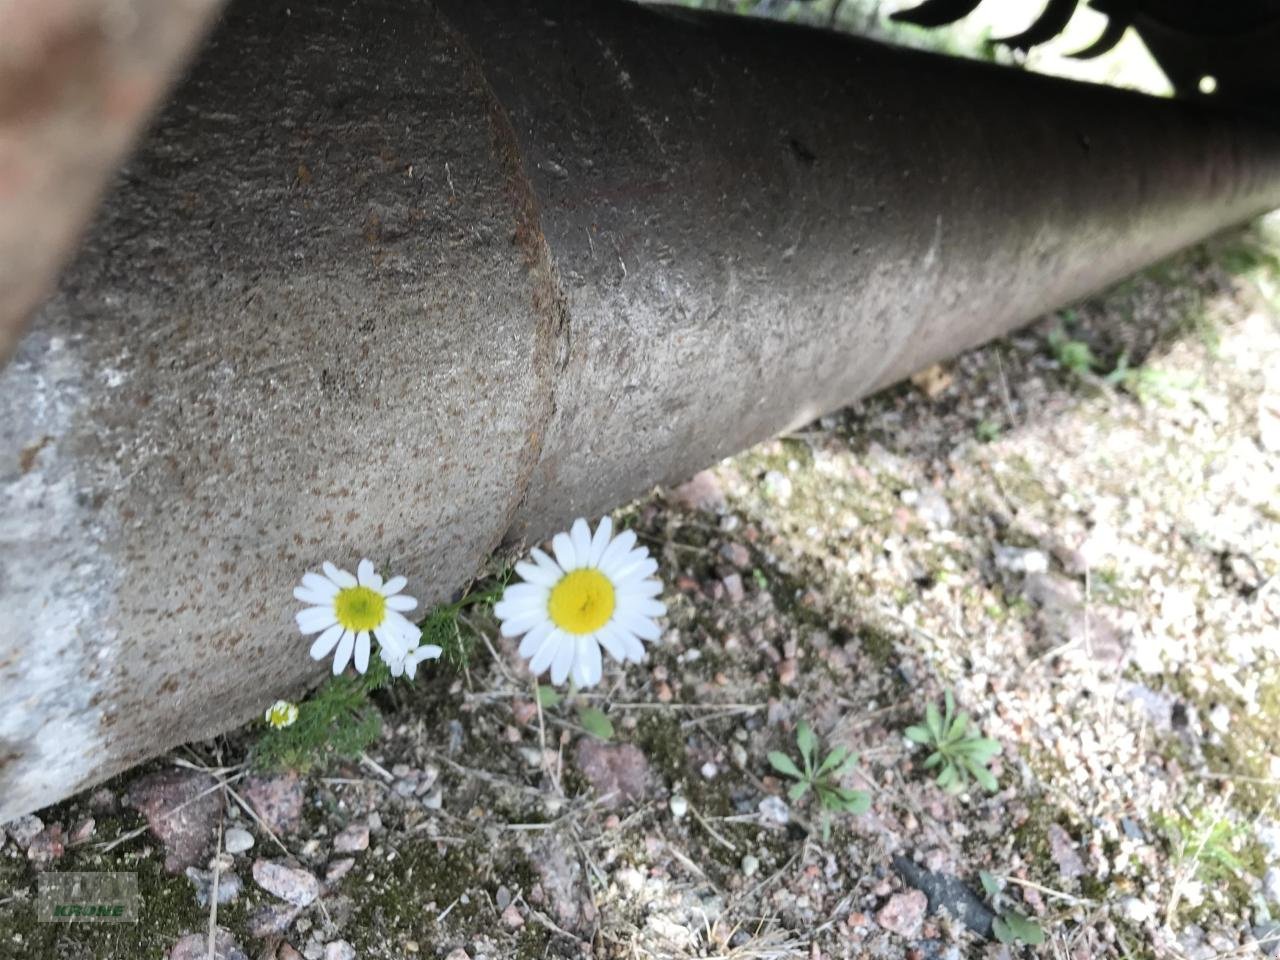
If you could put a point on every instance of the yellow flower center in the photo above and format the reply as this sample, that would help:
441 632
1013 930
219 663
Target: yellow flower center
359 608
582 602
282 714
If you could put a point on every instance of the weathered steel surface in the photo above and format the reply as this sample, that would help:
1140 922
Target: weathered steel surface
407 281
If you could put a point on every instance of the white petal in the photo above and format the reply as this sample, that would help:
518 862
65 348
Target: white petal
565 555
401 602
393 586
366 574
642 627
635 649
428 651
600 542
639 589
619 548
340 577
313 596
315 619
526 591
533 639
362 651
568 649
313 581
535 574
507 609
325 643
406 629
547 652
580 534
633 571
343 657
392 644
610 638
578 668
589 657
542 560
628 607
523 623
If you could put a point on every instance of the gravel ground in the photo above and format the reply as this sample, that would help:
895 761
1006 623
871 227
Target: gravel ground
1088 558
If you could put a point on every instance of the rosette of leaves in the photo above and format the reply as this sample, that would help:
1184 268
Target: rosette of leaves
821 778
958 747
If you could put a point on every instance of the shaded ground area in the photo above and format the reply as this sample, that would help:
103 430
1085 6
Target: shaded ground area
1075 529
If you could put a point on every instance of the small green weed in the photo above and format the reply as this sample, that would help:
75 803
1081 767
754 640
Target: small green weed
592 719
445 627
1009 926
337 721
958 747
1208 843
987 431
1072 355
823 779
1148 383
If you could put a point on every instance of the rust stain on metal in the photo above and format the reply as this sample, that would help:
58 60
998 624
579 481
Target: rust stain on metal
27 458
550 305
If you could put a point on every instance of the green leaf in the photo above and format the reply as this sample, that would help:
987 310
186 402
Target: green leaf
806 740
918 734
950 701
947 778
959 727
595 723
855 801
1028 931
784 764
935 758
548 697
933 721
798 790
978 749
984 777
989 883
846 768
834 759
1001 930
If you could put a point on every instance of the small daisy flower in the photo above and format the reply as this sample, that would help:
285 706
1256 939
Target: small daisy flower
407 659
282 714
348 608
599 591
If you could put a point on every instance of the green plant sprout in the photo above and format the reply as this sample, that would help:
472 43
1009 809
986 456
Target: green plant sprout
1009 926
338 720
824 779
445 628
987 431
1205 842
1148 383
958 747
595 721
1073 355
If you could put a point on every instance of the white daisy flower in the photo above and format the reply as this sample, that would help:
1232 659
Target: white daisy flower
348 608
599 591
407 659
282 714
